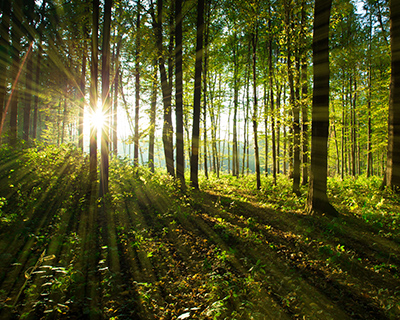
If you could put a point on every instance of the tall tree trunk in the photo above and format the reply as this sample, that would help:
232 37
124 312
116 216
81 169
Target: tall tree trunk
304 93
137 88
180 154
194 161
255 109
272 104
37 90
205 88
235 157
167 135
153 117
246 105
343 140
115 106
105 88
304 116
94 89
65 117
16 36
28 97
82 93
4 56
393 162
353 129
266 127
278 129
317 198
369 101
294 144
205 129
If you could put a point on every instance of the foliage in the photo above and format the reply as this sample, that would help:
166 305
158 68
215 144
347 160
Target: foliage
224 252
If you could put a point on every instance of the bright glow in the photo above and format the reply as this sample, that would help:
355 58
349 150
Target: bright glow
97 119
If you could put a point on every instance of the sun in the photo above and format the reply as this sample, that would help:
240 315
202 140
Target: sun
97 119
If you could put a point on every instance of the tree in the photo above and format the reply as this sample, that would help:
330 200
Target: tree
317 198
271 97
16 37
153 116
166 88
393 157
82 87
94 89
180 160
137 88
105 92
194 160
4 57
254 38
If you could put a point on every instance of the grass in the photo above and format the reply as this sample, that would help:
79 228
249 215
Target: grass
227 251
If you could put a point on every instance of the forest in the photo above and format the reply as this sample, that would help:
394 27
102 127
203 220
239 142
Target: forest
199 159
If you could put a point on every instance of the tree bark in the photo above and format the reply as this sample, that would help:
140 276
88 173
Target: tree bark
94 89
235 156
153 117
167 135
115 106
105 77
180 154
16 36
28 96
317 198
272 104
4 56
255 110
82 93
393 162
194 160
137 88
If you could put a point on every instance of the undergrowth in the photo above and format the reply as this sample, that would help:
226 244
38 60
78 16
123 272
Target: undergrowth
152 251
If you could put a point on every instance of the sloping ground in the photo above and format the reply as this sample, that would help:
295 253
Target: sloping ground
150 252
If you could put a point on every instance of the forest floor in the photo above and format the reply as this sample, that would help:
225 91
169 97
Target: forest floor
228 251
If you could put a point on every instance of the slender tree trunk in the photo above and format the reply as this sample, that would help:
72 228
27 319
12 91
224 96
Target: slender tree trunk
272 105
304 94
180 154
153 117
37 89
65 117
205 133
82 94
246 119
304 116
393 162
343 149
317 198
353 131
194 161
94 89
28 97
336 144
4 56
255 110
16 36
105 75
369 139
278 129
266 128
235 157
137 88
166 92
115 106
